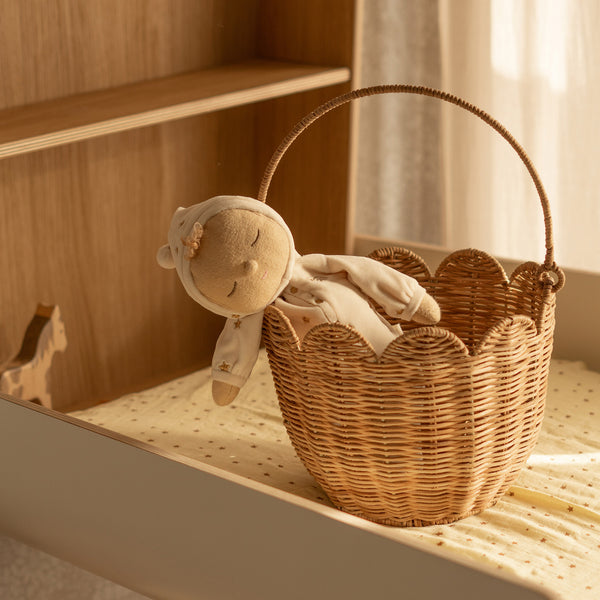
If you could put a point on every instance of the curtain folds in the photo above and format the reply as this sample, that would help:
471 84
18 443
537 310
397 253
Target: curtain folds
430 173
398 188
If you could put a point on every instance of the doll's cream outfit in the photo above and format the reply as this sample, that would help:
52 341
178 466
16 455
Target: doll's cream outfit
315 289
331 289
323 289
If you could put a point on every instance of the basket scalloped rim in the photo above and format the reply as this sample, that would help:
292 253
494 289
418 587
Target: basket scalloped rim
494 333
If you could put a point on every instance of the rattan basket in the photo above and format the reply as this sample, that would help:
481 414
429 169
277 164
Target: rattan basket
438 427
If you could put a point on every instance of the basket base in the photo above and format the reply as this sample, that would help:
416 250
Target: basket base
394 522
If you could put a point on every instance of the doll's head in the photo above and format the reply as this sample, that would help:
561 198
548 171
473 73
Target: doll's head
234 255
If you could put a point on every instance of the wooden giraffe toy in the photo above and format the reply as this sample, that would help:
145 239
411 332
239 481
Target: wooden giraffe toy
26 376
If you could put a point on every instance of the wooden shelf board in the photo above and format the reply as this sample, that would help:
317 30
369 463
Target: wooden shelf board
83 116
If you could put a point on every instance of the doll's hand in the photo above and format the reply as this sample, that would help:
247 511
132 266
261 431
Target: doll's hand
428 312
223 393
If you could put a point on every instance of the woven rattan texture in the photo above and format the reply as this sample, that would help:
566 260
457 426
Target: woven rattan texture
438 427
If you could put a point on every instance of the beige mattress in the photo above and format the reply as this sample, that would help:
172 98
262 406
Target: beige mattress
546 529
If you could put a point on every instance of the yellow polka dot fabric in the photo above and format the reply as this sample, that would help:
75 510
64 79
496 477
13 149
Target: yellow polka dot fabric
546 529
247 437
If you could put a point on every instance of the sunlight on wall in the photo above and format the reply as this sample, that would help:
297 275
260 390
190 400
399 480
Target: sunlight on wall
544 50
550 48
506 24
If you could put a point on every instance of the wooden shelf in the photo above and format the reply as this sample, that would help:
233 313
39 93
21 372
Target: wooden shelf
79 117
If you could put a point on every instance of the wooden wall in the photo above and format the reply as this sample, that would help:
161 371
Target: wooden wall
80 223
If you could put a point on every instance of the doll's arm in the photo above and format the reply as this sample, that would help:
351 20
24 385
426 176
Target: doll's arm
398 294
235 356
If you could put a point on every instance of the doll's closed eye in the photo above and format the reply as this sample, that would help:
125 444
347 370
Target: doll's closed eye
233 290
256 238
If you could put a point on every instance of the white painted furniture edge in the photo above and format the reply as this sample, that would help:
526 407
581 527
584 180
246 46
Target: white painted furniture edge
172 528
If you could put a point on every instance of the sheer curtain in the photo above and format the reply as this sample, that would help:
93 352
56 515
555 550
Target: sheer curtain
430 173
399 188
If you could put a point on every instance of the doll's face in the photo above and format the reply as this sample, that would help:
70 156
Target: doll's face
242 259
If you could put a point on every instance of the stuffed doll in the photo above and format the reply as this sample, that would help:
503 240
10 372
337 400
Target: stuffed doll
235 256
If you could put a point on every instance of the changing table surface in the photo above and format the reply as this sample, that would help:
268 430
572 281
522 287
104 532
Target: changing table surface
546 529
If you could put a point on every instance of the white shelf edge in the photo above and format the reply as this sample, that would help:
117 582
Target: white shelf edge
184 110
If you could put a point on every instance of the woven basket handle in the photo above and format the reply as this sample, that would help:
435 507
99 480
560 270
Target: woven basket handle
549 264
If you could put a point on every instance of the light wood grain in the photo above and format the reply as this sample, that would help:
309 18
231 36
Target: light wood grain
80 223
80 226
57 48
310 188
83 116
310 31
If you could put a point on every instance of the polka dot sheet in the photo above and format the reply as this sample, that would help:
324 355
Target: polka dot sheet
247 437
546 529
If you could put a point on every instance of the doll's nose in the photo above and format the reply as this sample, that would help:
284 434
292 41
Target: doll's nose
250 266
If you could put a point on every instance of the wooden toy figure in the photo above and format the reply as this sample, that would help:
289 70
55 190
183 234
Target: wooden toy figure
235 256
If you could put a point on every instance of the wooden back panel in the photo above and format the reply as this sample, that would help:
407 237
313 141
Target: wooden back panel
80 224
55 49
